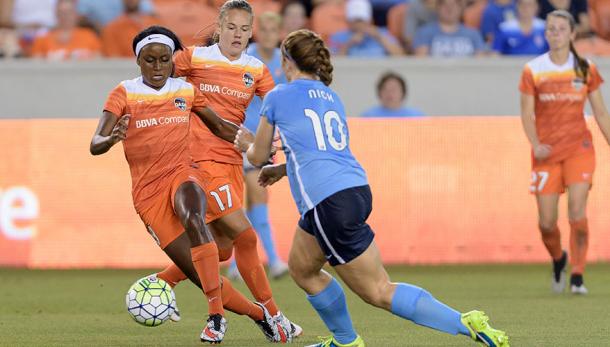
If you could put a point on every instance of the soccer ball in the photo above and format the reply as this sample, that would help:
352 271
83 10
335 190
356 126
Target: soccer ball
150 301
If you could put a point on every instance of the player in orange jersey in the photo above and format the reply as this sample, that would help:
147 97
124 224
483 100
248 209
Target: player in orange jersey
151 115
554 88
229 78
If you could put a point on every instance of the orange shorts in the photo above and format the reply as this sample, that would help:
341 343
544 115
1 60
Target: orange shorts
224 187
553 178
160 219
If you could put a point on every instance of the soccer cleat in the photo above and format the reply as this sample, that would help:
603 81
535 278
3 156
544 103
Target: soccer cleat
577 285
278 270
267 325
330 342
175 316
286 330
558 282
480 331
214 330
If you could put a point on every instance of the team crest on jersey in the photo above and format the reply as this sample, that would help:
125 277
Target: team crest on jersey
248 79
180 103
578 83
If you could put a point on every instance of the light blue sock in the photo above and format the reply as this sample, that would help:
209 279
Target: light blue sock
332 308
232 265
417 305
259 217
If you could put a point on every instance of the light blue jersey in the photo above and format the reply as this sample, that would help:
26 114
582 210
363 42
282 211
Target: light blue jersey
275 67
312 124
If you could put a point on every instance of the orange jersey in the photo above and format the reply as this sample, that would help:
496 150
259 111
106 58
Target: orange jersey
229 86
82 44
156 146
560 97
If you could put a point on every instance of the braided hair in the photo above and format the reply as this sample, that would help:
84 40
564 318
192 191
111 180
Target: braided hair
308 51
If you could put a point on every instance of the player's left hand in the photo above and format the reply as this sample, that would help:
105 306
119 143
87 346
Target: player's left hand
270 174
243 139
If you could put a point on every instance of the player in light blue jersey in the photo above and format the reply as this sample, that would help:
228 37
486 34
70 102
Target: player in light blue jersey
332 194
265 49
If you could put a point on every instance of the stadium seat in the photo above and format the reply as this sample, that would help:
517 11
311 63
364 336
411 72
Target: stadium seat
329 18
191 20
396 20
599 13
473 13
593 46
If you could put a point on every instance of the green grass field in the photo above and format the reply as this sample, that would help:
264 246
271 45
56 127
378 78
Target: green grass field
86 308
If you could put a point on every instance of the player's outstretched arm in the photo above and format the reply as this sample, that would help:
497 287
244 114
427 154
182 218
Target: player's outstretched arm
110 130
601 113
259 151
218 126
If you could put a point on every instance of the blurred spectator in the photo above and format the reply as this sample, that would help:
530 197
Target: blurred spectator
392 93
266 49
293 17
420 13
118 35
9 41
578 9
328 18
192 20
6 13
363 39
447 37
380 10
32 18
98 13
496 12
473 13
67 41
522 36
599 10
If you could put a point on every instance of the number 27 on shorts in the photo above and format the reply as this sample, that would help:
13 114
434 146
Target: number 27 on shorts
539 179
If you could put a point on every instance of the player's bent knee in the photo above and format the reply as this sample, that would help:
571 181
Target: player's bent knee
246 238
379 295
577 212
301 272
547 225
225 254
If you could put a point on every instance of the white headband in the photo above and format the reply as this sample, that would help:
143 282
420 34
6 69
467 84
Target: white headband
155 38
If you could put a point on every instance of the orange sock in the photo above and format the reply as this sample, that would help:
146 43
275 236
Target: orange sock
552 242
251 269
205 260
579 243
172 275
236 302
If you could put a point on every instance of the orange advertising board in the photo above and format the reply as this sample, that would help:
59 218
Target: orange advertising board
445 190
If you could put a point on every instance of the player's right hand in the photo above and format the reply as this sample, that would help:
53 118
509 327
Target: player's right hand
119 132
542 151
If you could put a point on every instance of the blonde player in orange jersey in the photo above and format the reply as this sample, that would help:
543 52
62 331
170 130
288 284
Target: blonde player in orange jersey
229 78
151 116
554 88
